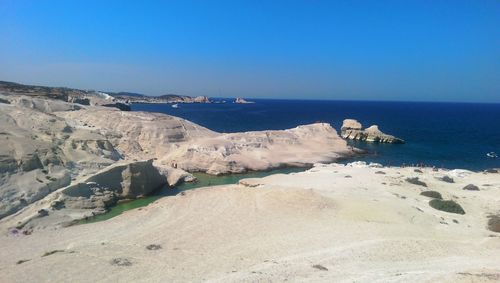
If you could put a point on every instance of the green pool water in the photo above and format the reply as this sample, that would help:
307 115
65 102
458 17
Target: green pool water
204 180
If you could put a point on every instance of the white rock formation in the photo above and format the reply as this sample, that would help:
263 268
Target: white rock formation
41 152
185 145
201 99
238 152
46 143
242 101
353 130
351 124
90 195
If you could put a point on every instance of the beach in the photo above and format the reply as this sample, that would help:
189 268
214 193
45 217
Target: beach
64 163
249 141
329 223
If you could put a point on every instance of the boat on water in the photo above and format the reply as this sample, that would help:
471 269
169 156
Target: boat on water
175 105
492 154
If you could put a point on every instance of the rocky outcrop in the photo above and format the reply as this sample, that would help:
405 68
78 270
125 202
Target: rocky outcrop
80 100
46 144
241 101
126 97
90 195
41 152
175 176
121 181
201 99
353 130
5 101
139 135
64 94
239 152
181 144
119 105
41 104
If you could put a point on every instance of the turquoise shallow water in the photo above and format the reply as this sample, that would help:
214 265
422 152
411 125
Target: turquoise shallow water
204 180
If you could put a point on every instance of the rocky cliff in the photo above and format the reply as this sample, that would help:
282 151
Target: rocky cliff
90 195
126 97
41 152
48 144
185 145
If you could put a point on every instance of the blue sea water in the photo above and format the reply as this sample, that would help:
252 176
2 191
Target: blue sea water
448 135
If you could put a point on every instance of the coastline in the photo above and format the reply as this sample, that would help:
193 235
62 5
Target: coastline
202 180
316 225
64 161
442 139
77 160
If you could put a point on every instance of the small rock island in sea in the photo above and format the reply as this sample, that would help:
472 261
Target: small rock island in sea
353 130
242 101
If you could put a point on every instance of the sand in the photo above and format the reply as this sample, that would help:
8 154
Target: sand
332 223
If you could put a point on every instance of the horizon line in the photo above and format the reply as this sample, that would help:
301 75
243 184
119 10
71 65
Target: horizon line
266 98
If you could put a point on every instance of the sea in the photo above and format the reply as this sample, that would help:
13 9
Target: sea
444 135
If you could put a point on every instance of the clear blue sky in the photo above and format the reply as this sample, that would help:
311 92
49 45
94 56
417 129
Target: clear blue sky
371 50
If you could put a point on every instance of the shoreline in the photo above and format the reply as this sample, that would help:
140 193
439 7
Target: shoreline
71 143
172 191
193 186
332 221
331 216
201 182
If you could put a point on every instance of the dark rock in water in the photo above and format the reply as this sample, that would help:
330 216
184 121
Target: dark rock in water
494 223
447 206
471 187
447 179
432 194
121 262
491 170
347 176
353 130
418 171
121 106
380 172
416 181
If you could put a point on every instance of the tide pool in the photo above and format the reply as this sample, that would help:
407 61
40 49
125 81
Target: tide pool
203 180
